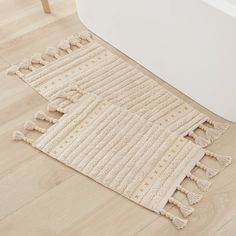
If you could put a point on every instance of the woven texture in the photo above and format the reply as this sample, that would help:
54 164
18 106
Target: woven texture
119 127
96 70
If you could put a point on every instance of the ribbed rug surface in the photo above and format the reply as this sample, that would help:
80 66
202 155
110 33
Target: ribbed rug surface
119 127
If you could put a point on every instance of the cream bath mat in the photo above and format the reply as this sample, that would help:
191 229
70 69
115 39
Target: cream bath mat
120 127
124 152
81 60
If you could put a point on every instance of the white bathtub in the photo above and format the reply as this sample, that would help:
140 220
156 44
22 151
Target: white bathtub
190 44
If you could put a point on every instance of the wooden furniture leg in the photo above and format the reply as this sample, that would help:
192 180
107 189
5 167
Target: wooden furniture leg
45 5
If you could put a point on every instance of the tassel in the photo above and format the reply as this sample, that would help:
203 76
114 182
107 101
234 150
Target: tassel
40 115
37 59
26 64
15 70
211 134
19 136
185 210
65 46
222 127
62 94
75 41
53 52
199 140
54 108
30 125
85 35
223 160
192 197
178 222
210 172
74 87
204 185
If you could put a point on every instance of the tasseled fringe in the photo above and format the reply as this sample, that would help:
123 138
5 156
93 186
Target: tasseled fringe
192 197
199 140
65 46
15 70
26 65
210 172
184 209
74 87
211 134
53 52
203 184
85 35
75 41
30 125
54 108
40 115
19 136
63 94
221 127
223 160
178 222
37 59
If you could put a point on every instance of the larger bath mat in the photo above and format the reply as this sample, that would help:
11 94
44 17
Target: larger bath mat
124 152
83 61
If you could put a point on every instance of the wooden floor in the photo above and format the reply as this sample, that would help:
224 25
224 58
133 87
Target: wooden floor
38 195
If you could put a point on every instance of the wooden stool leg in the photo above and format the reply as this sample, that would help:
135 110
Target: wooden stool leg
46 7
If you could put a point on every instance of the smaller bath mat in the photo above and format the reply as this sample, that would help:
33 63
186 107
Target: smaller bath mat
124 152
81 60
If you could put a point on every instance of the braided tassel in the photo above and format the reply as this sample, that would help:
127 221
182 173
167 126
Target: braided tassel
210 172
178 222
75 41
15 70
54 108
37 59
211 134
53 52
19 136
26 64
192 197
85 35
40 115
199 140
223 160
65 46
185 210
30 125
204 185
222 127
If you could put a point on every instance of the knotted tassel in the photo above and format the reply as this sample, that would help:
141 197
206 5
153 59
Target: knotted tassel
211 134
15 70
26 64
37 59
40 115
199 140
222 127
210 172
74 87
65 46
223 160
85 35
192 197
178 222
204 185
63 94
53 52
54 108
19 136
30 125
75 41
185 210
